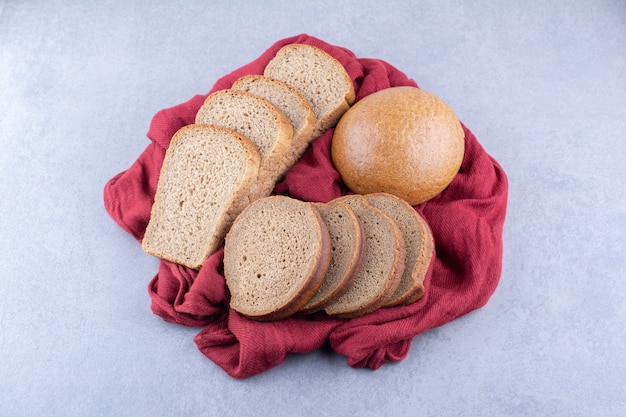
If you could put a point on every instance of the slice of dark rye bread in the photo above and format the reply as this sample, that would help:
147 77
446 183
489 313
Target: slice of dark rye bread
260 121
382 267
419 246
204 183
321 79
348 251
289 100
275 257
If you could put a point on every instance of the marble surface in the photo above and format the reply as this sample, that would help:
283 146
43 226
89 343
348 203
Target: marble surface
541 84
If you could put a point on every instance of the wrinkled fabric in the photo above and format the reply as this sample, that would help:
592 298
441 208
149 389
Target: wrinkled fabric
466 220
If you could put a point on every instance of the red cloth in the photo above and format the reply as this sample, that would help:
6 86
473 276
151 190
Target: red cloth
466 221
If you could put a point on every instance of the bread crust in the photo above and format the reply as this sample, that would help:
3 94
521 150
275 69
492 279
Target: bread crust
394 274
313 283
303 134
354 265
328 118
236 204
411 291
272 162
400 140
313 277
425 258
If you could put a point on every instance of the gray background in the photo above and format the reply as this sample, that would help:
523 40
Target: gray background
541 84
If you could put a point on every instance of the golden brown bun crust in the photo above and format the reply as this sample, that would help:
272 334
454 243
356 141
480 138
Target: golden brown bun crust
401 140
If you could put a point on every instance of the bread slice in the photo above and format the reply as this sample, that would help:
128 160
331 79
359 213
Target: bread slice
204 183
321 79
275 257
289 100
382 267
347 253
260 121
419 246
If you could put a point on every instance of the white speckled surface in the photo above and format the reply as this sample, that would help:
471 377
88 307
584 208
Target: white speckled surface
542 85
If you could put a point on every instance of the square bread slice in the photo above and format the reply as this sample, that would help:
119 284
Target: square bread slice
260 121
321 79
204 184
289 100
382 267
419 246
347 239
275 257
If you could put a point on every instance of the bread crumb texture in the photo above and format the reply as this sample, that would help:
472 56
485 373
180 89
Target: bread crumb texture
203 170
269 254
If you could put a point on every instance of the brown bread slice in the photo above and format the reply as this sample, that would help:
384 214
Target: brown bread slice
382 267
289 100
347 253
419 246
321 79
275 257
260 121
205 179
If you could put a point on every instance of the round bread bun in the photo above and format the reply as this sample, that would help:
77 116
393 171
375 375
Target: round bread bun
401 140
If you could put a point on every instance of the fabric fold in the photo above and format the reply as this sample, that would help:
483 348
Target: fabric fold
244 347
188 297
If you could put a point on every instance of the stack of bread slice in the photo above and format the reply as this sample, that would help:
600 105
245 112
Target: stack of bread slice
243 141
348 257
